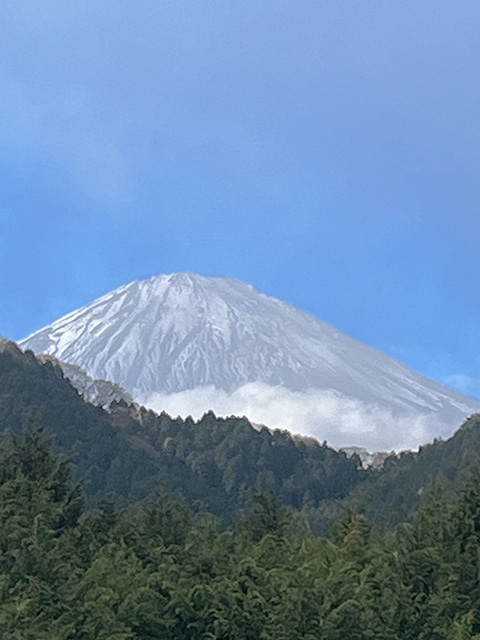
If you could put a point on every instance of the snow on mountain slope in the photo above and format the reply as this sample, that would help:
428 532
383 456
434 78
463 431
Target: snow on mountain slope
189 343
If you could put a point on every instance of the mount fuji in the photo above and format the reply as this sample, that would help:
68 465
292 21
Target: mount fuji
187 343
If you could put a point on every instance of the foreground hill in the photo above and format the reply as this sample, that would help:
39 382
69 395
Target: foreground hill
131 452
158 570
189 343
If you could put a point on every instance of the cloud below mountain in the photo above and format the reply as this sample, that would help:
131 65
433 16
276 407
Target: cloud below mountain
323 414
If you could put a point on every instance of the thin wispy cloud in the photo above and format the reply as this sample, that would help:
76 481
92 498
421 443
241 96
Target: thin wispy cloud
62 131
466 384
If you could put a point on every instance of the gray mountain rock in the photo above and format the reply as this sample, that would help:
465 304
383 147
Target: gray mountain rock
98 392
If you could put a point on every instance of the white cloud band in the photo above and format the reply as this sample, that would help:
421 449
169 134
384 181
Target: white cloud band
323 414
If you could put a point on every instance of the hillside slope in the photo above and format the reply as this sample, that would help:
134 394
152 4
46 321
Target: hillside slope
132 452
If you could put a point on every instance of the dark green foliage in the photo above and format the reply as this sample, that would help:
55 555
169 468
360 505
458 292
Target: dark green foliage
393 494
217 462
167 568
36 396
157 571
131 453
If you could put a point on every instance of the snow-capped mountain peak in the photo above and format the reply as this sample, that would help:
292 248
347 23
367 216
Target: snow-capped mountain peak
172 335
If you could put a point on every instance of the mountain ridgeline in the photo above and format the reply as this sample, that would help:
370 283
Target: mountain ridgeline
131 452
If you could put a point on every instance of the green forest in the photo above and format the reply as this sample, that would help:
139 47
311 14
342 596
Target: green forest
132 525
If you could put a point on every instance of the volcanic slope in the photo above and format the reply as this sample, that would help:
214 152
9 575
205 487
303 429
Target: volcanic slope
175 341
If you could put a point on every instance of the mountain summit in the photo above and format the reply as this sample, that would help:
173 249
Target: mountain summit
187 339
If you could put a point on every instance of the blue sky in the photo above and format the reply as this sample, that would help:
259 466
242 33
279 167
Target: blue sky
326 152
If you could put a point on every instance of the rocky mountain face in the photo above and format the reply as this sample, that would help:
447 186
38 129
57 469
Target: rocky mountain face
164 338
101 393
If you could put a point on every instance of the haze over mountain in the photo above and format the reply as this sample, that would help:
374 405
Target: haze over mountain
188 343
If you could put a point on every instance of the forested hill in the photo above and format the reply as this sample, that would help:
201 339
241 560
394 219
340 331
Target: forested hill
162 572
36 396
131 452
160 569
218 463
392 495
